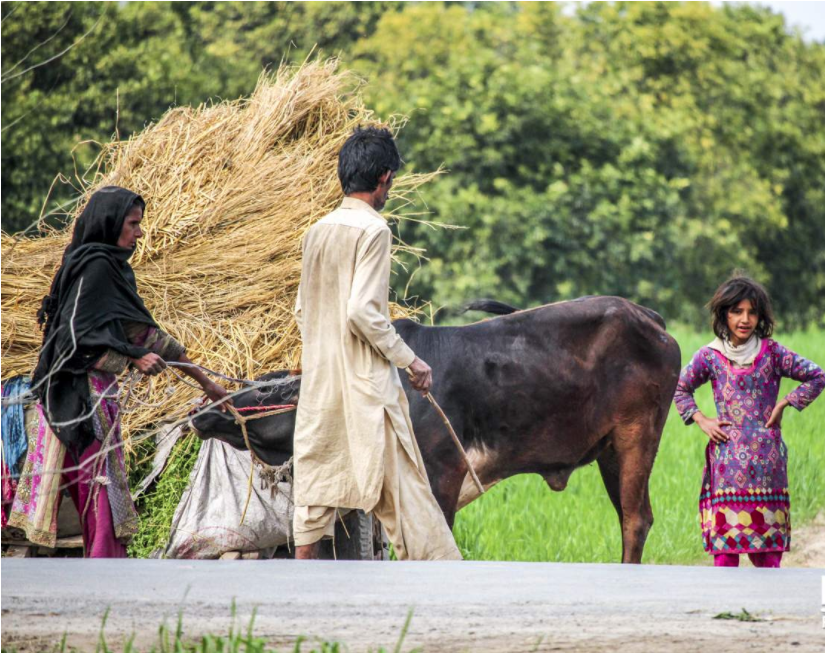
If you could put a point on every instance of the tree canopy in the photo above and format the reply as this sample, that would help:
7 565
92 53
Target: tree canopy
638 149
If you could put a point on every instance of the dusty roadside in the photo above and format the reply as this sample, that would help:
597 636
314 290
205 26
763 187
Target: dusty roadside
470 606
808 545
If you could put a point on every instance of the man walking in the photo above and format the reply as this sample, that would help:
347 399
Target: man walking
354 442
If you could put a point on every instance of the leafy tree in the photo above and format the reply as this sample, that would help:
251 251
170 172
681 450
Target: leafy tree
107 67
643 149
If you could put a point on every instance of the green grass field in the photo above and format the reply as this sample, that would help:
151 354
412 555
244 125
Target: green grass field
522 519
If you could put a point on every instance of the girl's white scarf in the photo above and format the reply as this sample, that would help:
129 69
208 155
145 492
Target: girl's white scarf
741 356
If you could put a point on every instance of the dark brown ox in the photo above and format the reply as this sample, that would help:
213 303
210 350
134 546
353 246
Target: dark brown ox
540 391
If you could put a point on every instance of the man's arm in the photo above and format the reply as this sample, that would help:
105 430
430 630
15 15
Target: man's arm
370 291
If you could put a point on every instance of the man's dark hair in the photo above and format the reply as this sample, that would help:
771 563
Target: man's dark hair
365 156
733 291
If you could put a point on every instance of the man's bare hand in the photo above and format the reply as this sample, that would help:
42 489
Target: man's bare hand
421 375
150 364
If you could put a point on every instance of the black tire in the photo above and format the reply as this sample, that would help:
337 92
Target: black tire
358 536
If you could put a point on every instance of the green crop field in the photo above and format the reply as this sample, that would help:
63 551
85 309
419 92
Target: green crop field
522 519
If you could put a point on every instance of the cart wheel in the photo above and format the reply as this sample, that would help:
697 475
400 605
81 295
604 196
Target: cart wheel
359 537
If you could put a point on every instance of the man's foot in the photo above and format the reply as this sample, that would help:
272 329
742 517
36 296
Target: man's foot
308 551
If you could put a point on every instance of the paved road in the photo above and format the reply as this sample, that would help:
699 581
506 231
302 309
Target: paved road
472 606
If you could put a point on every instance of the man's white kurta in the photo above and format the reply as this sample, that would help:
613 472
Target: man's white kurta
351 353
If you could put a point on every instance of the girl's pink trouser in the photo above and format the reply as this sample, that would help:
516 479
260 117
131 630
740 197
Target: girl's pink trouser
771 559
99 538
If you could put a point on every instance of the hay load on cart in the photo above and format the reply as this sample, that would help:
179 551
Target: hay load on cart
230 189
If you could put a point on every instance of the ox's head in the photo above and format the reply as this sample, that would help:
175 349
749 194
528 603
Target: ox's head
270 437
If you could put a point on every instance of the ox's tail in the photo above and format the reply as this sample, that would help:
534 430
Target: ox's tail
490 306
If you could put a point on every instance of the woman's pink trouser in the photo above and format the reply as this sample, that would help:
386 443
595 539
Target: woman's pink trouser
99 538
771 559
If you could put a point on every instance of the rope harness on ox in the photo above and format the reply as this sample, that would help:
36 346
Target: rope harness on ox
206 370
252 409
270 475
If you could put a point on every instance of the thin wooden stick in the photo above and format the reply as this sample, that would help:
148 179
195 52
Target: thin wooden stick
456 441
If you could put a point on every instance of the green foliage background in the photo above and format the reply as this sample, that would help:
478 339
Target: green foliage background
637 149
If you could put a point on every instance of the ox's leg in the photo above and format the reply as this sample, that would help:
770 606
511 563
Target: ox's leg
445 469
635 445
445 483
609 468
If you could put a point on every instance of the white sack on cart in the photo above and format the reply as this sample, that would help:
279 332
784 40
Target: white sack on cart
206 521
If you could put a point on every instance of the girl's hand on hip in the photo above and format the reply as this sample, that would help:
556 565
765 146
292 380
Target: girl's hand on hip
776 414
150 364
713 428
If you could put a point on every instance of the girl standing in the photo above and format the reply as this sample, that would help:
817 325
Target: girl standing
744 503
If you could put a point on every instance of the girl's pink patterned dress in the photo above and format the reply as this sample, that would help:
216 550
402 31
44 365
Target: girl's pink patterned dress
744 502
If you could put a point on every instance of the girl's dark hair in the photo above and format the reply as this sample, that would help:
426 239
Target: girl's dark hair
733 291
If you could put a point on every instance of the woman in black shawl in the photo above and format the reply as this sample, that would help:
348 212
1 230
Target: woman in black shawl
95 326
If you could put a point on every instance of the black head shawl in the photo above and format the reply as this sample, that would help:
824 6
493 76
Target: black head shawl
92 292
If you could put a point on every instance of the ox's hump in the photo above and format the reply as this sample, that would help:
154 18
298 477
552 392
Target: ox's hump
615 304
621 304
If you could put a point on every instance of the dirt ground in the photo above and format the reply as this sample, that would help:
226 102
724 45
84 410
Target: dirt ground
570 635
457 606
808 545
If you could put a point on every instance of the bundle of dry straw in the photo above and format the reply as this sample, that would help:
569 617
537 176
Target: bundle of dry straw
230 189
